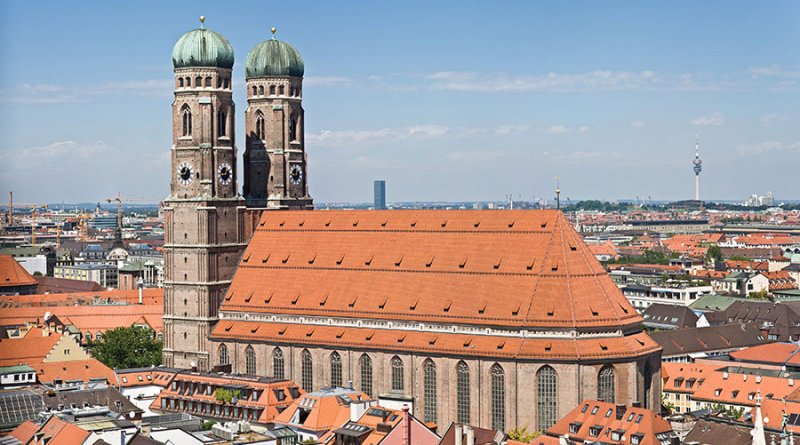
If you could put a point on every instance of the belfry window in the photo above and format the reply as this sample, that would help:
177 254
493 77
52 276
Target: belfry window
224 358
198 81
223 122
208 82
307 371
255 90
366 374
180 82
293 128
260 90
272 90
259 125
188 81
498 398
336 369
397 374
606 384
429 389
462 393
277 363
250 360
187 121
281 90
547 393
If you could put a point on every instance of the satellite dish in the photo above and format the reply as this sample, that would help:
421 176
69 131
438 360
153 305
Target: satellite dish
131 414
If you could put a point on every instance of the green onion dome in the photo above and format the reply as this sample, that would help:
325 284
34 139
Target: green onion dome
274 58
202 48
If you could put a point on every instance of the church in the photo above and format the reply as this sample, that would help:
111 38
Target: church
496 319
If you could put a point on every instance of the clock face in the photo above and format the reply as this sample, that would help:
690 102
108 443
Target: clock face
225 173
296 174
185 173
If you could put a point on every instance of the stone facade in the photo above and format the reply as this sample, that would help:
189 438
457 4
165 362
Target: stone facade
203 215
575 381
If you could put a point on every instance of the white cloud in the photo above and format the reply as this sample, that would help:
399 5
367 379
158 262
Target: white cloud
773 71
557 129
52 94
768 147
773 118
714 119
319 81
337 138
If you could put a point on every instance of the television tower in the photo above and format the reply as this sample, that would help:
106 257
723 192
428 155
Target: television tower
698 167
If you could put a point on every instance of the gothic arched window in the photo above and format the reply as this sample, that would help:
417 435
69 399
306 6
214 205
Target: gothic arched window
547 393
307 371
462 393
255 90
260 125
366 374
223 123
180 82
397 374
260 90
429 390
208 82
224 358
281 90
336 369
606 384
188 81
277 363
187 121
198 81
293 128
272 90
249 360
498 398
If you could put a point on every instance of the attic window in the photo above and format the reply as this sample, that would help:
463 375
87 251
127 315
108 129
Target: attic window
369 260
430 262
328 223
269 297
462 263
310 332
355 223
444 223
554 267
228 328
229 296
339 261
447 305
603 346
413 307
385 221
401 339
265 259
544 224
340 334
594 312
286 258
398 261
383 305
263 221
246 258
482 308
432 340
497 264
530 265
467 342
511 224
323 301
281 223
254 330
548 347
550 311
624 309
302 221
516 311
572 247
476 224
369 337
296 298
414 223
501 345
282 331
353 302
312 259
249 296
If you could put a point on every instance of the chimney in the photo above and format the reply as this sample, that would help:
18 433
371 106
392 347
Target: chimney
725 375
459 435
470 435
407 420
140 285
621 409
791 382
758 379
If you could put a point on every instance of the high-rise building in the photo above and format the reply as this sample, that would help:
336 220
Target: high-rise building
203 213
379 194
274 156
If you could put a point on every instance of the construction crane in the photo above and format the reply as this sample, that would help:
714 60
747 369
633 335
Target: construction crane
118 199
33 221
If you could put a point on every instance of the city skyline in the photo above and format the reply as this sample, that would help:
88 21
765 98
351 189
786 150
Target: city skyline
453 105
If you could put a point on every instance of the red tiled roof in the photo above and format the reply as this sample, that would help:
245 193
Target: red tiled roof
32 348
741 389
328 412
686 377
62 433
633 421
771 353
151 296
436 266
83 370
25 431
13 274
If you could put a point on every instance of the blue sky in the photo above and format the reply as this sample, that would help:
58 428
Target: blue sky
460 100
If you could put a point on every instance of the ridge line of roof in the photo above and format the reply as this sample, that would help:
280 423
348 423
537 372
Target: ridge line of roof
370 269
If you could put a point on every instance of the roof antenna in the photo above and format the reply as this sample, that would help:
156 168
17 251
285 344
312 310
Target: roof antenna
558 194
202 22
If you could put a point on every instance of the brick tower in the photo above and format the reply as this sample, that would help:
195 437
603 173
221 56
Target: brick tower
275 158
203 215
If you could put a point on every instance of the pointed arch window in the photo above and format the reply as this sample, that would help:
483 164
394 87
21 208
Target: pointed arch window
293 128
307 371
249 360
366 374
547 393
224 358
255 90
462 393
180 82
397 374
272 90
223 123
260 90
606 384
498 398
208 82
429 390
198 81
260 125
187 121
336 369
281 90
277 363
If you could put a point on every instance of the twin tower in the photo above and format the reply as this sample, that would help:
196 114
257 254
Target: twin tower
205 218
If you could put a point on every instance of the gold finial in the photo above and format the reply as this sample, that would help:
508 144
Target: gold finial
202 21
274 30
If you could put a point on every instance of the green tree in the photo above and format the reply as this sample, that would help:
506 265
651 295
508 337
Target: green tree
521 434
760 295
132 347
714 253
